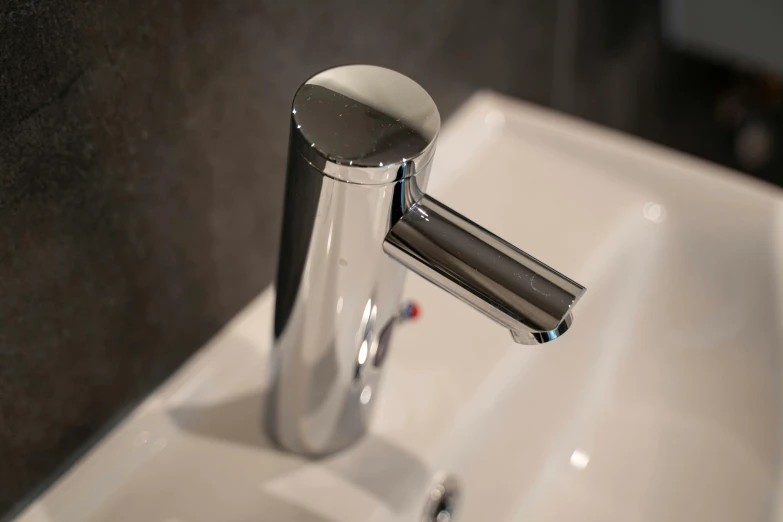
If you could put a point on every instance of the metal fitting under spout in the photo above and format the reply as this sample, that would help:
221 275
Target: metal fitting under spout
362 140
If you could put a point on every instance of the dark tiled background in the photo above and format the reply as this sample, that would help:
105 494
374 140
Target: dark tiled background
142 147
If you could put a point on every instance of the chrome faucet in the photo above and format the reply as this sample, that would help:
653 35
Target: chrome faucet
360 151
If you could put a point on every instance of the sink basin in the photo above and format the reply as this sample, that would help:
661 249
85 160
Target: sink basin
663 401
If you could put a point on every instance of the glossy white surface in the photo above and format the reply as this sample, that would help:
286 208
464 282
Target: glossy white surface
663 401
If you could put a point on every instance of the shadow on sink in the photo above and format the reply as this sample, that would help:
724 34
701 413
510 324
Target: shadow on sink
237 421
387 472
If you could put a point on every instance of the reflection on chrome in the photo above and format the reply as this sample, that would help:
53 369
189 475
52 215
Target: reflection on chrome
363 353
355 216
442 501
366 395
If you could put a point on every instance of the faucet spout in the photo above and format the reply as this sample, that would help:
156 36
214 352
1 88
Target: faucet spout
504 283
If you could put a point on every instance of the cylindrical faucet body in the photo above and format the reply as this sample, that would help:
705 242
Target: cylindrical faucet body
355 216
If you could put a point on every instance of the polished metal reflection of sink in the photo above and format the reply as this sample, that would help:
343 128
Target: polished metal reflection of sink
662 403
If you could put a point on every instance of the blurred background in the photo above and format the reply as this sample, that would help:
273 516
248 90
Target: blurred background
142 156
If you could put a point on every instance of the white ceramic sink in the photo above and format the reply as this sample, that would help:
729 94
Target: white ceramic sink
662 402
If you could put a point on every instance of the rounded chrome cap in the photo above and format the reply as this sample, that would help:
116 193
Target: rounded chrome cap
364 124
